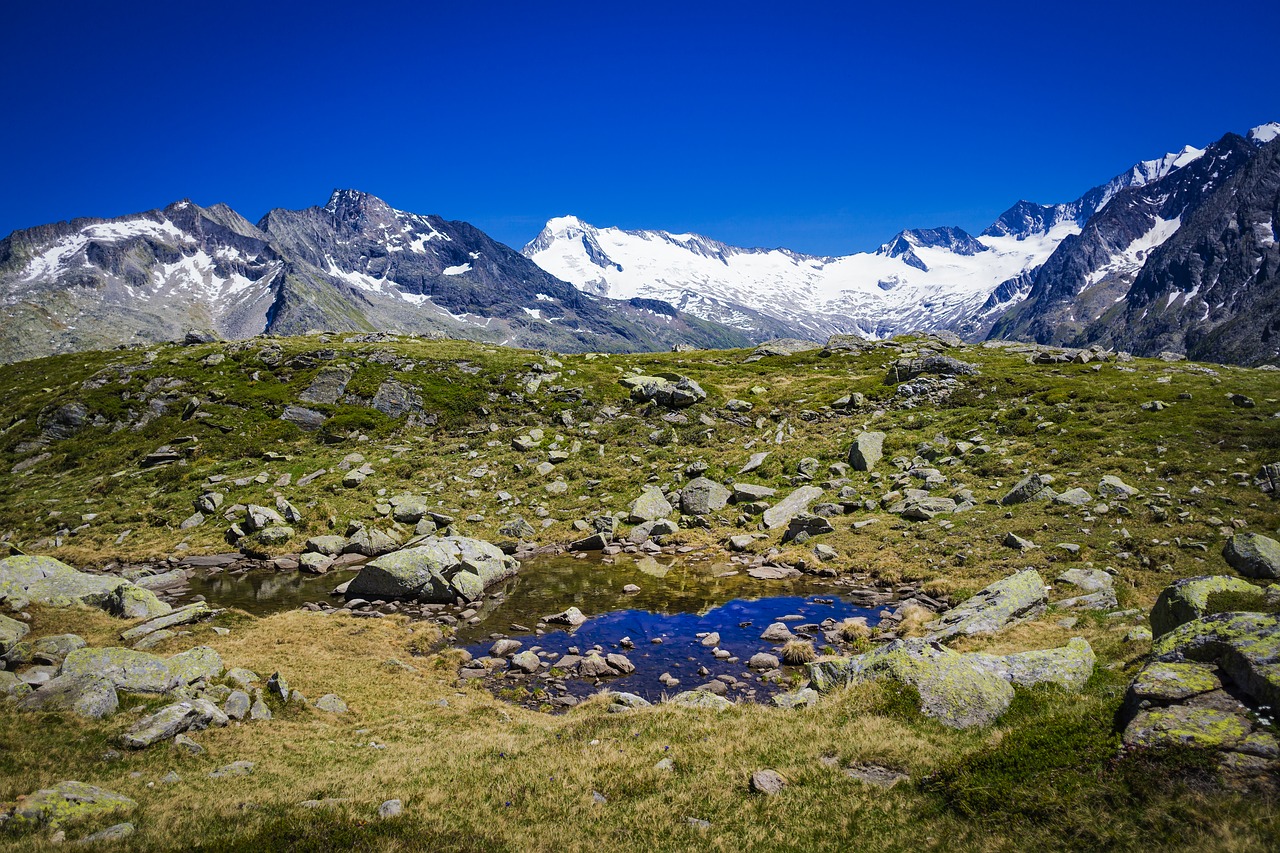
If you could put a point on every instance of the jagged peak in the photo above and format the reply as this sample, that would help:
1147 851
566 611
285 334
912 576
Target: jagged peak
342 200
1264 133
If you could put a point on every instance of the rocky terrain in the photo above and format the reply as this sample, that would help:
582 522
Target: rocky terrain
1065 558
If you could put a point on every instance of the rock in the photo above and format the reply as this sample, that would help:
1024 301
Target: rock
172 720
372 542
278 687
1253 555
11 633
505 648
594 542
1185 725
390 809
703 496
314 564
867 449
261 517
1246 646
781 347
754 462
237 705
1114 487
57 645
749 492
436 570
874 774
1014 599
767 782
86 695
804 526
187 745
670 390
1098 587
1068 667
620 663
304 418
327 386
195 664
619 701
923 509
650 506
235 768
1074 497
796 699
763 660
953 688
186 615
329 546
66 801
1188 600
242 677
789 507
700 699
116 832
258 711
332 704
527 662
126 669
1033 487
778 632
938 365
572 617
1013 540
48 581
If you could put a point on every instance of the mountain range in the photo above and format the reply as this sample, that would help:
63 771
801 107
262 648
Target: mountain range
1176 253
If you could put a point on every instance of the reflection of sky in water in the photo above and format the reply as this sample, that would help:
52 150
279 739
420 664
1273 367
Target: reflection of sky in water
678 598
738 621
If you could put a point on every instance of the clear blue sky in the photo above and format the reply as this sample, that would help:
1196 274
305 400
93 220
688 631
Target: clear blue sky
824 127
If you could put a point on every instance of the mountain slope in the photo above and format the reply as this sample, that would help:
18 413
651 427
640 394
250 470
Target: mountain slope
354 265
936 278
1090 273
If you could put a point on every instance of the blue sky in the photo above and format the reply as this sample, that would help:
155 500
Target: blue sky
822 127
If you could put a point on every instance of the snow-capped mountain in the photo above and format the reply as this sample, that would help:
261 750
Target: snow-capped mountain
356 264
937 278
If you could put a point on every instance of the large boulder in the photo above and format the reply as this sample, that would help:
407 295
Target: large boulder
90 696
127 669
1245 646
1069 667
1014 599
703 496
439 569
11 633
1188 600
51 807
650 506
867 449
173 720
670 390
1253 555
954 689
1029 488
789 507
54 583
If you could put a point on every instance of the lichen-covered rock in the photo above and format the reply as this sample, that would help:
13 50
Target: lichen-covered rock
650 506
1167 683
1029 488
866 451
1253 555
439 569
1187 726
789 507
954 689
1012 599
1188 600
186 615
1113 487
670 390
11 633
1069 667
172 720
129 670
703 496
700 699
1097 586
195 664
54 583
89 696
52 807
1246 646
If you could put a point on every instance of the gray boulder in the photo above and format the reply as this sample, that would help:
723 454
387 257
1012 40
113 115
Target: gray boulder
669 390
1188 599
1253 555
87 695
126 669
789 507
1013 599
51 582
172 720
650 506
867 449
11 633
703 496
66 801
438 569
1032 487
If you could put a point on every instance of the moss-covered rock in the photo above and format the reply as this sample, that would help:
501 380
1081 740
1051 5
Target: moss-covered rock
129 670
51 807
1246 646
1012 599
1166 683
1069 667
90 696
11 633
200 663
54 583
1186 726
1188 600
955 689
438 569
1253 555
